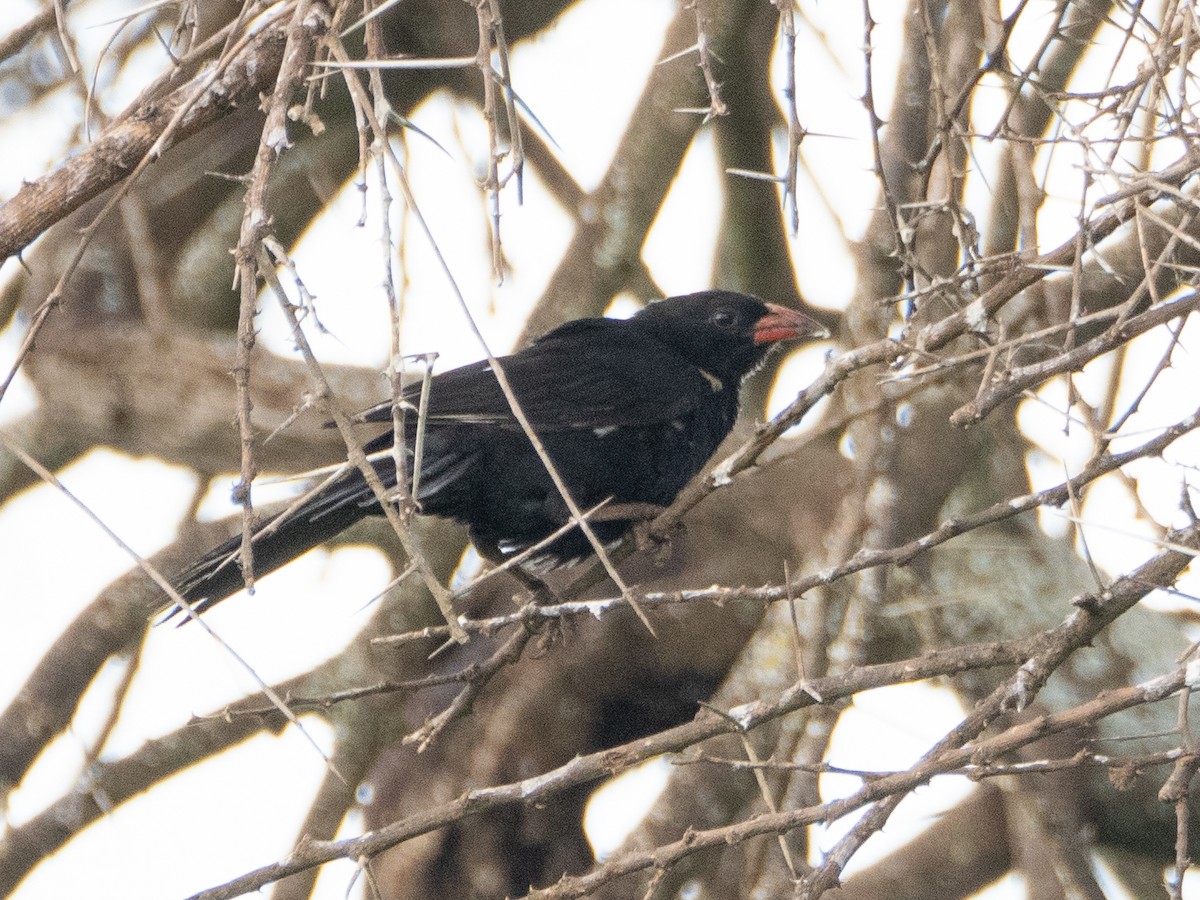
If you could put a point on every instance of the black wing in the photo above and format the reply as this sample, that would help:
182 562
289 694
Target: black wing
591 373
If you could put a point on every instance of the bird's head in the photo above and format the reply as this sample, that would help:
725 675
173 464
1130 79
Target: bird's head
725 333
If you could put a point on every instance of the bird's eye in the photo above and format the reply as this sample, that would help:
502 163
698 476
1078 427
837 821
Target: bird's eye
723 318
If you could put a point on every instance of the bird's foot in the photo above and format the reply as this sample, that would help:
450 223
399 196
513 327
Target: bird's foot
642 515
540 591
541 594
627 512
658 545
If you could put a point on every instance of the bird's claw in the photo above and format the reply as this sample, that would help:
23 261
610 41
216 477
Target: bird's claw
649 540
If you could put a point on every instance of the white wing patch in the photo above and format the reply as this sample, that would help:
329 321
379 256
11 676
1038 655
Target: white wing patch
715 382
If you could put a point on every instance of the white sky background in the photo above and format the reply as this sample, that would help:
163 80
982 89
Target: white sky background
192 832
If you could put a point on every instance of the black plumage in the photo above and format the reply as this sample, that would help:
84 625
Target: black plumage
628 410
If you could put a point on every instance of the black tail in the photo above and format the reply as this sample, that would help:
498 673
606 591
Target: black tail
218 573
329 512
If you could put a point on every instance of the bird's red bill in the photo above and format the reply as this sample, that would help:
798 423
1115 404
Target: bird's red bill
783 324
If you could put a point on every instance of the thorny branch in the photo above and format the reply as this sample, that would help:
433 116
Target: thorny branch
957 749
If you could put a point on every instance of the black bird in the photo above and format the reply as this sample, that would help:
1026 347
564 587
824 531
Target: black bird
628 410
